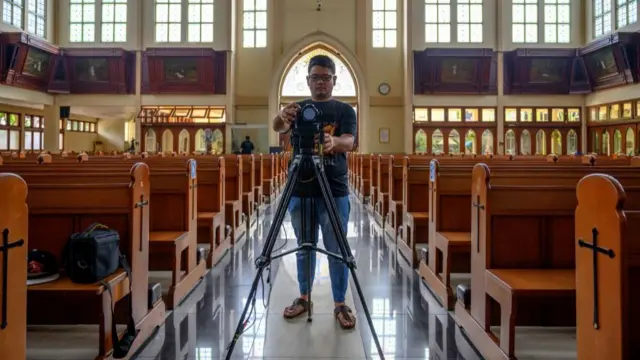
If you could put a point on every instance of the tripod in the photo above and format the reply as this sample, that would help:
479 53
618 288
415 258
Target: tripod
265 258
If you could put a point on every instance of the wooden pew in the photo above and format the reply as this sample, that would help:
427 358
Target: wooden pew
249 208
269 178
607 277
373 183
61 204
529 281
394 216
382 198
212 229
258 199
234 217
414 231
14 223
365 182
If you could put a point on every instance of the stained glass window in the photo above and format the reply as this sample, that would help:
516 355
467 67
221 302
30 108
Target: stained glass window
82 21
12 12
168 20
254 24
437 21
295 82
557 21
385 24
524 28
36 14
469 21
114 20
601 17
626 12
200 21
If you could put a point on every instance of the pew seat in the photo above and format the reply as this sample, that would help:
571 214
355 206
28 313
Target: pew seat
168 236
453 240
115 280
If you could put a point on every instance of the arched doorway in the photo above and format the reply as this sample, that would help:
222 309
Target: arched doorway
289 82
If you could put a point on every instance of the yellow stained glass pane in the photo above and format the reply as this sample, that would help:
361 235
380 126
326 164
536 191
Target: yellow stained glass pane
593 114
526 115
437 114
216 113
614 111
510 115
455 115
626 110
602 113
488 115
182 112
421 114
557 115
471 115
542 115
199 113
574 115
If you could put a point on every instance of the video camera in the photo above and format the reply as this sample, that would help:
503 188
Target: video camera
308 130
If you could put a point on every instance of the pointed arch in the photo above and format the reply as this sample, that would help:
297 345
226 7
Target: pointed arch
617 142
630 142
437 142
572 142
470 142
510 142
454 142
311 41
167 141
420 144
184 141
294 83
525 143
556 142
151 141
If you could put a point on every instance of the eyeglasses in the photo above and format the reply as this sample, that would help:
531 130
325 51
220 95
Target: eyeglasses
325 77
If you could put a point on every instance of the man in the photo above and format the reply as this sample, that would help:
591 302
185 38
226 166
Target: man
339 138
247 146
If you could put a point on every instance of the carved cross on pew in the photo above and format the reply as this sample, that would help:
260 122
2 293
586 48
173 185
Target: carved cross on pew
478 206
4 248
141 204
596 249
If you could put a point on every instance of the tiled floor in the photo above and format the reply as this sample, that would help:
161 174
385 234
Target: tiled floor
409 322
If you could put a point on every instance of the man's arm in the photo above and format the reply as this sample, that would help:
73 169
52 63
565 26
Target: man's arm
348 130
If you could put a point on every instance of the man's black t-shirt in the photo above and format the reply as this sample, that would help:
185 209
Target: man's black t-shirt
246 147
340 119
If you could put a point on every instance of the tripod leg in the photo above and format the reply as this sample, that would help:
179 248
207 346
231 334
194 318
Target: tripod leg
265 257
343 243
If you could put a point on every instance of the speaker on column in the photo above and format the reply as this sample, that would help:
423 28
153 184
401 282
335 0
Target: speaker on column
65 112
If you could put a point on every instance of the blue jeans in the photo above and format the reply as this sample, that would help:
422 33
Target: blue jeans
338 270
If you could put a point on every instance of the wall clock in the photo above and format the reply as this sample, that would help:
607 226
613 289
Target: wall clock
384 89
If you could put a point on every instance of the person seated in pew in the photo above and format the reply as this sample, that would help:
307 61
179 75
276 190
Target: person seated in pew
338 140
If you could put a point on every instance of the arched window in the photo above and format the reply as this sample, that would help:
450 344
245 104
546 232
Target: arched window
437 142
596 143
421 142
201 145
572 143
606 149
217 146
295 82
510 142
454 142
617 142
470 143
151 141
184 141
525 143
541 143
487 142
630 142
167 141
556 142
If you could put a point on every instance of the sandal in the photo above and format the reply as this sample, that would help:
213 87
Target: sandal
348 320
299 307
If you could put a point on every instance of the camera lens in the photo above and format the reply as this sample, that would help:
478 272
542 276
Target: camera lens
309 113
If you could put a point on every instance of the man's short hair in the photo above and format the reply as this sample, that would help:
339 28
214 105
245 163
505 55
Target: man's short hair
324 61
248 137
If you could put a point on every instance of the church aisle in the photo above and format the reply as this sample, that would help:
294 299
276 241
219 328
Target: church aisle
409 322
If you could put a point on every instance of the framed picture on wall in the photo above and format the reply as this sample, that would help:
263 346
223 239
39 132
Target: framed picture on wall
383 136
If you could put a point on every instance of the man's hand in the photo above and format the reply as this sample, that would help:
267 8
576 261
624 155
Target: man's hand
329 143
289 112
